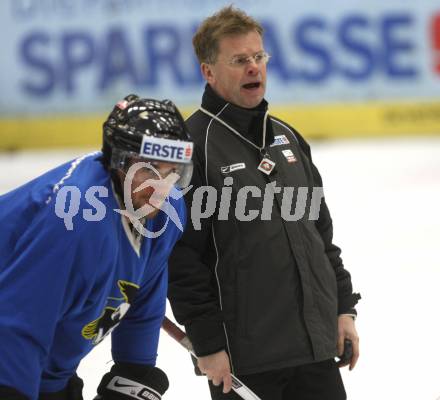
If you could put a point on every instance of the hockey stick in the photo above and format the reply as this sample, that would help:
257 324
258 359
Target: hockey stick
180 336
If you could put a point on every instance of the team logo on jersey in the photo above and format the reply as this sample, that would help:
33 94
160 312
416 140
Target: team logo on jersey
173 151
110 318
279 140
290 157
231 168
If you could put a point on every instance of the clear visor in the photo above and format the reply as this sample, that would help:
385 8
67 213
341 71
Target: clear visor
148 168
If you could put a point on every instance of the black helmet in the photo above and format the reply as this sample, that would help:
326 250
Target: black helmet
146 129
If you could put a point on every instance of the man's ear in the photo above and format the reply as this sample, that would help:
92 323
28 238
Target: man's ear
207 72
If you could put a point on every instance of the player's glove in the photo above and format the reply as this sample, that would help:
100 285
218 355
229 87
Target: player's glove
132 381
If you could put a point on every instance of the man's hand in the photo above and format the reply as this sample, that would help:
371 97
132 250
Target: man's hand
347 330
216 367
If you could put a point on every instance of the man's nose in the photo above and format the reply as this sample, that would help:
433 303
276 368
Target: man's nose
252 67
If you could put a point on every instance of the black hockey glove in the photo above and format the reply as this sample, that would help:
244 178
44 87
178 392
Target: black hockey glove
132 381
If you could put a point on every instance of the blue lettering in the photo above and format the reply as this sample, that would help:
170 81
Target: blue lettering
180 153
117 60
165 151
309 35
28 9
195 77
163 49
155 150
173 150
147 148
272 46
355 45
77 52
394 46
30 52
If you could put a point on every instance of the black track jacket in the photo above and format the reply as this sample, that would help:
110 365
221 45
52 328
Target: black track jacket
267 289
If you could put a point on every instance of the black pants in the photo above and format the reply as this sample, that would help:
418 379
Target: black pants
73 391
318 381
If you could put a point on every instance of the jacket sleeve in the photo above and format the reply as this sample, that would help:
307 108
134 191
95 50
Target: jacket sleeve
192 290
346 298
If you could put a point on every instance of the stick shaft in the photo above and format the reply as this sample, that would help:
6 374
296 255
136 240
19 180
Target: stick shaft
180 336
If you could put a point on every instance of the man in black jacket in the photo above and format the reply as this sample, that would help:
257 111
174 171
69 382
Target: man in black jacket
255 279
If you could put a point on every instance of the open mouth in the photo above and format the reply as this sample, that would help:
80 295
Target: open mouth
253 85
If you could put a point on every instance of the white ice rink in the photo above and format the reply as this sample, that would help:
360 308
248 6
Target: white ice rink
385 199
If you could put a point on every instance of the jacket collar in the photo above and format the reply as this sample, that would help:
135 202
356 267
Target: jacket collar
247 121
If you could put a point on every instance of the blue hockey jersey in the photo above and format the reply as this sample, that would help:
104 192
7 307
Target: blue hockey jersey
66 284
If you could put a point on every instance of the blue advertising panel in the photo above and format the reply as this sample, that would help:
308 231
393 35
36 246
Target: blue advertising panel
78 56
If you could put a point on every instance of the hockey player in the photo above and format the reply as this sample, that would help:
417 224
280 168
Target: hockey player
83 253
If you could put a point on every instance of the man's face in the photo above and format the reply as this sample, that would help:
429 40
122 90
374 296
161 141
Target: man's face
242 85
155 190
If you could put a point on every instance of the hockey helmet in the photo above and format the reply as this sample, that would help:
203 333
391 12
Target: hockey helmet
147 129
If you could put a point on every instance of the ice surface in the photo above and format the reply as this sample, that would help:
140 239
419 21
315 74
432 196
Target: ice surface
384 196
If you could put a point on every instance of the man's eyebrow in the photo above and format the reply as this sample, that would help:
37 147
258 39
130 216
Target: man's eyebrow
246 54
